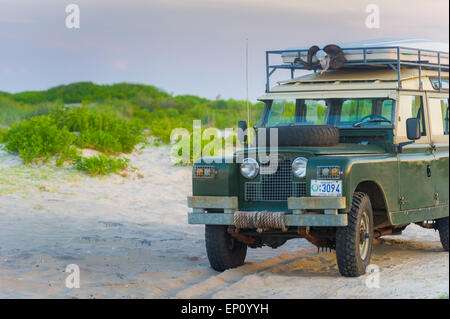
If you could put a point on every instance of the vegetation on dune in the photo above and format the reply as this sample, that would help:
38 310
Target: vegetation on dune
210 145
108 118
101 165
38 138
102 131
156 109
3 131
67 156
88 92
60 134
12 111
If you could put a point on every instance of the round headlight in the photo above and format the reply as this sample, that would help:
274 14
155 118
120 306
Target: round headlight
249 168
299 167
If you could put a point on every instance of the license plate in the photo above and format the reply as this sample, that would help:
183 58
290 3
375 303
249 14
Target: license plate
326 188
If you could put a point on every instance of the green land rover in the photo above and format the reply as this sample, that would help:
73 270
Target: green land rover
362 152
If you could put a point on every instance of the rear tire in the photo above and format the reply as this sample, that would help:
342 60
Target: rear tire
442 227
354 242
224 252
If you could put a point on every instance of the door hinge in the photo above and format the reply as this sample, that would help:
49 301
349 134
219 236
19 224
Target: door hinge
436 198
433 148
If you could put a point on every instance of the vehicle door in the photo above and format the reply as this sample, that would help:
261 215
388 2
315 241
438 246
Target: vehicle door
439 127
416 160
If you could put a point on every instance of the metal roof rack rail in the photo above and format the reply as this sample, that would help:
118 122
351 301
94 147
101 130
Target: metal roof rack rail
394 64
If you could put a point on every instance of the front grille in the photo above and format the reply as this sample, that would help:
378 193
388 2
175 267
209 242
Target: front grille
277 186
298 189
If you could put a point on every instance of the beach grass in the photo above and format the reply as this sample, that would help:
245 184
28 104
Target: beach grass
113 119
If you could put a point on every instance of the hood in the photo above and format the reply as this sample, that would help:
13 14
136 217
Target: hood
342 148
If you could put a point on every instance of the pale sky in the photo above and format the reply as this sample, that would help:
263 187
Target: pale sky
187 46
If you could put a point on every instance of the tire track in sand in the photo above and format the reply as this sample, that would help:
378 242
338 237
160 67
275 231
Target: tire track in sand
213 284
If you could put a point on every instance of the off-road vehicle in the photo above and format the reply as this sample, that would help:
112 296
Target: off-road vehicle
362 152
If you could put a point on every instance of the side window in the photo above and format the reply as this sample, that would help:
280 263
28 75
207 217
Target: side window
438 116
417 112
410 107
444 112
436 86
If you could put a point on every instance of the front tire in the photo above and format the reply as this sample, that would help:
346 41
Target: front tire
442 227
354 242
224 252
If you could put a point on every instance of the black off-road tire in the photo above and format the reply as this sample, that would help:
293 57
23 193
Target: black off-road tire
348 252
224 252
305 135
442 227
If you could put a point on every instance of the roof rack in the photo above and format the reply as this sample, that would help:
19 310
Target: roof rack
394 64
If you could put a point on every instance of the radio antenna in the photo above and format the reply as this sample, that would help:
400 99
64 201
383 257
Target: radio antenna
246 81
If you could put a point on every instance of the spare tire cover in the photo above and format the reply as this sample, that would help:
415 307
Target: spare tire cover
304 135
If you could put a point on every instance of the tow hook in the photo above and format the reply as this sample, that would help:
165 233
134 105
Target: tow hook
245 239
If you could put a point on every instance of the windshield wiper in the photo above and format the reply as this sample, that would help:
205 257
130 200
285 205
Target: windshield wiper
370 121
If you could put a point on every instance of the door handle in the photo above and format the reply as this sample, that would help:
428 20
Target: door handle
428 171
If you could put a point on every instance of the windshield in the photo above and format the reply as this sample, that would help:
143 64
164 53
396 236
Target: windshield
365 112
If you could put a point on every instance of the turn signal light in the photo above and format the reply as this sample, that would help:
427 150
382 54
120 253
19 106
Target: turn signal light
204 172
334 172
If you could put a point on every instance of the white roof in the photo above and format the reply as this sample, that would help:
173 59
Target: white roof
422 44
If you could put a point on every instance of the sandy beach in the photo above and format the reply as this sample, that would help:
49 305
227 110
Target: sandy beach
130 238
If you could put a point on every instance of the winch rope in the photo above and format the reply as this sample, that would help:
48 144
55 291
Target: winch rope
259 220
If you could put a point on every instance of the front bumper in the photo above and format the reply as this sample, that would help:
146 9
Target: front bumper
301 211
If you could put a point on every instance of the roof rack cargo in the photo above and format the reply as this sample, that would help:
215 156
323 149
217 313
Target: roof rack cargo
378 56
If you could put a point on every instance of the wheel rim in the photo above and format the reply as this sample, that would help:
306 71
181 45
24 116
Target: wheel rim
364 236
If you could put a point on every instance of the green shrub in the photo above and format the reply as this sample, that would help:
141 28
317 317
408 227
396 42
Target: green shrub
111 119
13 112
102 131
88 91
219 144
38 138
3 132
68 156
101 165
159 111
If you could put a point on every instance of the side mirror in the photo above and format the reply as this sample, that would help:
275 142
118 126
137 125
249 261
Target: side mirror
242 128
413 129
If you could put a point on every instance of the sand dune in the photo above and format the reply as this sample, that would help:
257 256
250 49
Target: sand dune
131 239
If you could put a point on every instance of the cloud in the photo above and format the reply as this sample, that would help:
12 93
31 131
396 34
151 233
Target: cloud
18 21
120 64
8 70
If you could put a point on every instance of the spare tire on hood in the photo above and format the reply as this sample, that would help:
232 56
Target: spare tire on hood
304 135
